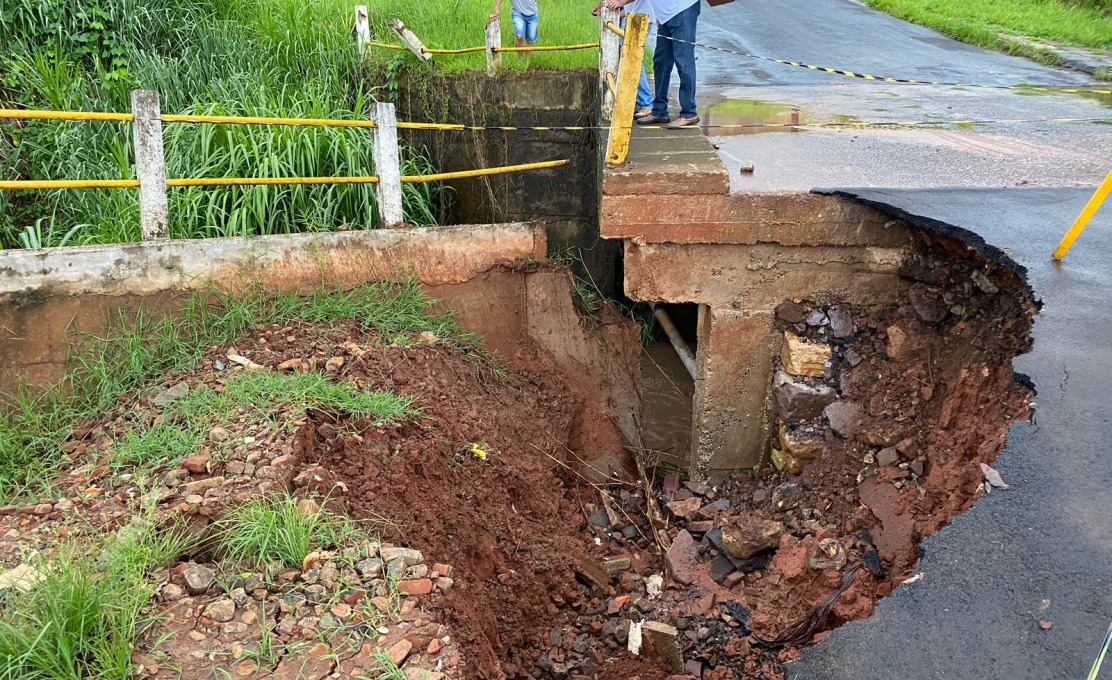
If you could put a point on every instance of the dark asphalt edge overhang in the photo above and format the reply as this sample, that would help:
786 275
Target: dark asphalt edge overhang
966 236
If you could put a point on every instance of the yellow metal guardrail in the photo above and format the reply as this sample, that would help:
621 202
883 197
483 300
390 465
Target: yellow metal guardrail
1082 220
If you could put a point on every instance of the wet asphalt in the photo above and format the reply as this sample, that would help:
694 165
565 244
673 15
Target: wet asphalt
1041 550
847 35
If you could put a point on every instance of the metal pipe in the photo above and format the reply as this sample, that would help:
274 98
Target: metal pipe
674 336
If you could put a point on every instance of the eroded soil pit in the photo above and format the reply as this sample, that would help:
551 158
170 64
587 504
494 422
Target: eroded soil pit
881 418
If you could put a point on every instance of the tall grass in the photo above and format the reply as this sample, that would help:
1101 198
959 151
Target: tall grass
143 347
1086 23
449 24
272 528
284 58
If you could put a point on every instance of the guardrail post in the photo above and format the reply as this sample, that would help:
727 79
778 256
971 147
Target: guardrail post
609 51
629 73
410 39
1087 213
493 43
387 167
362 28
150 165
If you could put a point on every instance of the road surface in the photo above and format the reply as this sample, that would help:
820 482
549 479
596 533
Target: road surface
847 35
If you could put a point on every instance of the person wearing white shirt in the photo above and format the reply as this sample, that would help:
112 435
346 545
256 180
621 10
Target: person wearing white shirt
676 22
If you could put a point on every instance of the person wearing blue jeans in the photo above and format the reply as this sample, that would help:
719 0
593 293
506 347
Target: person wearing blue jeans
526 20
675 32
644 90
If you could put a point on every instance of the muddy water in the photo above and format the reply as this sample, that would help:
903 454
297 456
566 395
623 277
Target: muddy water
667 391
752 116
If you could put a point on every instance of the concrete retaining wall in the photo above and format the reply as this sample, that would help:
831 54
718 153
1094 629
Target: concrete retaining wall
522 311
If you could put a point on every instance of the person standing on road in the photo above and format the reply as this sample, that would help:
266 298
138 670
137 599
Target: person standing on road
675 31
644 90
526 19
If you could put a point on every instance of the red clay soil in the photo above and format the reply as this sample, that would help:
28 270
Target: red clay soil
938 412
505 524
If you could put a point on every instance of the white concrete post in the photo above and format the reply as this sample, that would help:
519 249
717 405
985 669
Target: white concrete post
493 43
609 54
362 29
410 39
150 165
387 167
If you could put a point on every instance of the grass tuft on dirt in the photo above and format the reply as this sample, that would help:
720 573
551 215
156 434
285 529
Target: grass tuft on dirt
280 528
144 347
1083 23
81 620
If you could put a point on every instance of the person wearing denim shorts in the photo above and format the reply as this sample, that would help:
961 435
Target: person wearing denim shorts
526 20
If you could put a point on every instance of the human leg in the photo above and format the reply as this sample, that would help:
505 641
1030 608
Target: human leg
663 62
684 55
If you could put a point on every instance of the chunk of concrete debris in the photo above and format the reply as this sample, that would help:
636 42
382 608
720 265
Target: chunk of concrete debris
800 448
408 555
685 508
748 536
992 478
617 565
844 417
816 317
171 395
698 488
796 401
22 577
907 339
683 558
661 641
804 358
841 322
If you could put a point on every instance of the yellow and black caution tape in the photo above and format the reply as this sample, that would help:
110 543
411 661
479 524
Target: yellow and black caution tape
888 79
457 127
449 127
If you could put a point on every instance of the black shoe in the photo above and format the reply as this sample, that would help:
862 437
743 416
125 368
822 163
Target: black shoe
651 120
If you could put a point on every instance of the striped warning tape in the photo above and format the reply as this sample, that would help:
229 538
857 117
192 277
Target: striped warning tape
854 125
887 79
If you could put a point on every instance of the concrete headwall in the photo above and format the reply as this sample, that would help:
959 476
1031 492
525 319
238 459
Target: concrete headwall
525 312
565 199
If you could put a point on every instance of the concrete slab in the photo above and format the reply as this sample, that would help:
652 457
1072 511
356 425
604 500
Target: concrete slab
1041 551
668 162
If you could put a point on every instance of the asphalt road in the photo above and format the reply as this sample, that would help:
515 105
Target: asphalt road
1041 550
847 35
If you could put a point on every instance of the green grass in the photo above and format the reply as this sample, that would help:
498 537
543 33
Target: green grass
1084 23
80 622
145 447
451 24
142 348
269 529
287 58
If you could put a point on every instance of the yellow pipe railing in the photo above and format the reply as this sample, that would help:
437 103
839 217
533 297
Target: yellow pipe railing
270 181
616 29
546 48
30 114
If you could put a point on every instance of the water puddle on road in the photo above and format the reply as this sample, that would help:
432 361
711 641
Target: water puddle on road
752 115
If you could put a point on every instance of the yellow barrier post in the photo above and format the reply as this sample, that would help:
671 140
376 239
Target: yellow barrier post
629 73
1083 219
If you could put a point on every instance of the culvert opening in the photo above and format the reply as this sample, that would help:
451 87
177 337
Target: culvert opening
667 387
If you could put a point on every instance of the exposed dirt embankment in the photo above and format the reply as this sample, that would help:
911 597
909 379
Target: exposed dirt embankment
473 482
